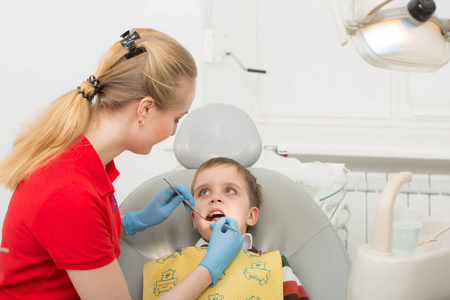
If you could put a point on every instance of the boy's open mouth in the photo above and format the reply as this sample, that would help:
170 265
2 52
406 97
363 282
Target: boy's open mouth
214 216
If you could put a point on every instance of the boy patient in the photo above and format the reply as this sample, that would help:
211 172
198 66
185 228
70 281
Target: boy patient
224 188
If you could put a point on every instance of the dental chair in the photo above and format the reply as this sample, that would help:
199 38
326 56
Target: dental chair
290 220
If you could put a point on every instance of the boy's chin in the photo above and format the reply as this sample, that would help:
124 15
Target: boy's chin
205 233
207 237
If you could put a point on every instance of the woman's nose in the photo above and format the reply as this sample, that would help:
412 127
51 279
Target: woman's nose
174 130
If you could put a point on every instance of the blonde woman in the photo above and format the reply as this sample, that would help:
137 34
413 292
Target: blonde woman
62 227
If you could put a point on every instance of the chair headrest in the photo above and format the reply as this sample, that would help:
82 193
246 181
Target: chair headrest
215 130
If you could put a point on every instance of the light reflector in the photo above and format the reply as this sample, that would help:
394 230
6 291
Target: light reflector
402 45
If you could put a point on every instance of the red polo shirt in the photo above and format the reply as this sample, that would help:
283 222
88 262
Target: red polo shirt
63 216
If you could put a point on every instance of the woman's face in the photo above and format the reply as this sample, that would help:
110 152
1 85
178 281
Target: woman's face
160 124
222 191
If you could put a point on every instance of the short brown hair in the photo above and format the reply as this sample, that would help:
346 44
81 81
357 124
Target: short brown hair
253 187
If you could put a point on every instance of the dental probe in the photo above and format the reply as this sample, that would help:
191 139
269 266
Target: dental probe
192 207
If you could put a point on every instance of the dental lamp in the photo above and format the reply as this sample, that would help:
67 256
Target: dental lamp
410 38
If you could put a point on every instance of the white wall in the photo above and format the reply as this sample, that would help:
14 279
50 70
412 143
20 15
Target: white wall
321 99
49 47
318 97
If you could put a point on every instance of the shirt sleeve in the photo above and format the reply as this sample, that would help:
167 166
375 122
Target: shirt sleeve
71 226
292 288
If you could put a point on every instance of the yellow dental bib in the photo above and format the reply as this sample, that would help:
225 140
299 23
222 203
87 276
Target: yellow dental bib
250 276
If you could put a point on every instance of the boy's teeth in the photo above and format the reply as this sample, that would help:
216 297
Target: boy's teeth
215 215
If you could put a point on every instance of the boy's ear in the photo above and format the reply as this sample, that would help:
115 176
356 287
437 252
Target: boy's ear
193 220
253 216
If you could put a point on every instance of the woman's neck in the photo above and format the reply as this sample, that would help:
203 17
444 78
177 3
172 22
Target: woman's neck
106 134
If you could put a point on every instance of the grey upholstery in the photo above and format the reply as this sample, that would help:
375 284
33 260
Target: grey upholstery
289 221
215 130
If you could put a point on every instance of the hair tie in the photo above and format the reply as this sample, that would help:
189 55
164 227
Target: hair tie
128 41
95 84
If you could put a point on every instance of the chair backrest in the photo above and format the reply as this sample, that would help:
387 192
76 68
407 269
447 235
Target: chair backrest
290 221
217 130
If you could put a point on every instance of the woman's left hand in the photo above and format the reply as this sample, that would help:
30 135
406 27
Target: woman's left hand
158 209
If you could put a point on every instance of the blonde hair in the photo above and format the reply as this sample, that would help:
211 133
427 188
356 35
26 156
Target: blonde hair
253 187
158 72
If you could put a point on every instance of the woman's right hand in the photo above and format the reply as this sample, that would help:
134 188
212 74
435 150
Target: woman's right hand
224 246
157 210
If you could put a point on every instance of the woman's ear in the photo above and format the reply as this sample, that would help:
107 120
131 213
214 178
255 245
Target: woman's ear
253 216
145 106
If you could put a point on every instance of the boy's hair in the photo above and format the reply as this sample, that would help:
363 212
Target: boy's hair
253 187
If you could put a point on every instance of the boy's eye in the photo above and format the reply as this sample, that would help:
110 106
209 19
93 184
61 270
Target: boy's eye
203 192
230 191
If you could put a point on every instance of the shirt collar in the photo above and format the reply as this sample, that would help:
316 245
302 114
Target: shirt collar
102 177
246 245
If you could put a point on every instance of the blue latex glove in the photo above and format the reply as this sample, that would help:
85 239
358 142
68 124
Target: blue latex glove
224 246
159 209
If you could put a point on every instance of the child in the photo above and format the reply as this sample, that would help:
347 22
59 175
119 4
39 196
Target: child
224 188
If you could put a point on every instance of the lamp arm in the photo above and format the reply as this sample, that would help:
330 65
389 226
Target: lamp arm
341 24
367 12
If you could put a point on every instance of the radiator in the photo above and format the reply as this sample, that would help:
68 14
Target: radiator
428 192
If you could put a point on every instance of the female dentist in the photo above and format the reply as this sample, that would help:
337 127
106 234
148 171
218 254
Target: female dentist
63 225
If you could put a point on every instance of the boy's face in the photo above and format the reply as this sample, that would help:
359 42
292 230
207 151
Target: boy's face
220 191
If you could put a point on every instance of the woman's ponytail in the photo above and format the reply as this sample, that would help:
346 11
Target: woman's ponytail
51 133
157 70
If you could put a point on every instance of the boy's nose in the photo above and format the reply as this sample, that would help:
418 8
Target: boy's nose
215 199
